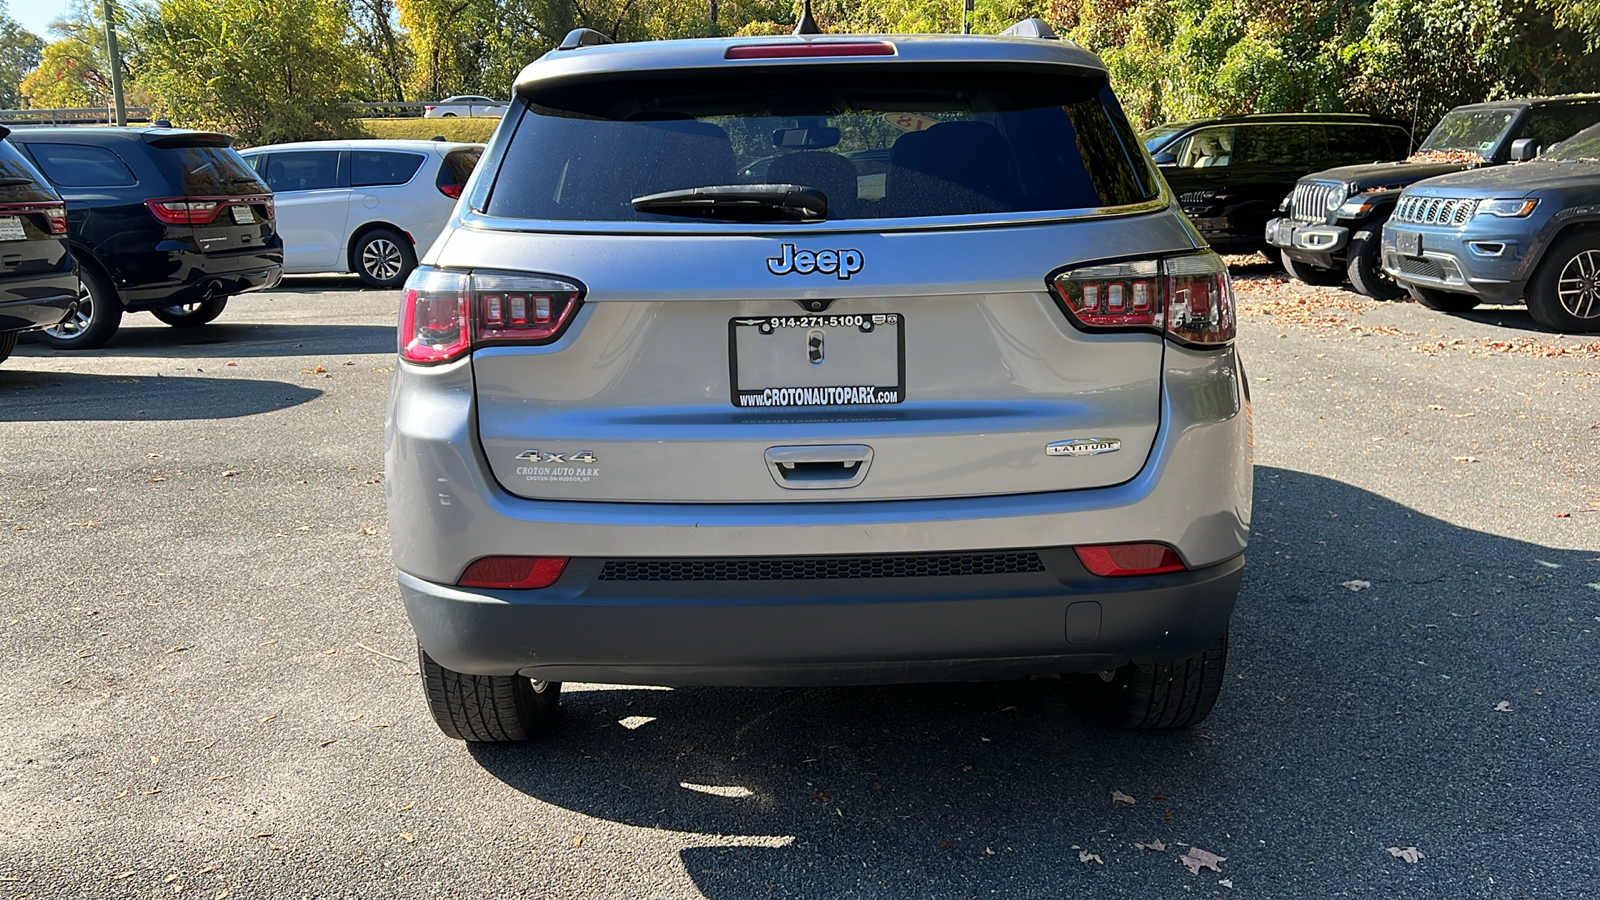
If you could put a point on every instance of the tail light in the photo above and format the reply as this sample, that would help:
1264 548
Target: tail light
184 211
453 191
56 218
513 572
1187 298
447 314
1123 560
54 212
429 108
271 204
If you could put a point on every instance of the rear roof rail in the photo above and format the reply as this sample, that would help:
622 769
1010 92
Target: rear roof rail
1031 28
584 37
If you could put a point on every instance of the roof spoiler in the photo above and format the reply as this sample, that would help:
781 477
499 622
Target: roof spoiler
1031 28
188 139
584 37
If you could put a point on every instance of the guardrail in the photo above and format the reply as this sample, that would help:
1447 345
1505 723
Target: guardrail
88 115
391 110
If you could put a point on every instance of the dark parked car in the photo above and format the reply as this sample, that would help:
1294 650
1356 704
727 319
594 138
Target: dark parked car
1231 173
38 282
1332 225
1502 234
161 219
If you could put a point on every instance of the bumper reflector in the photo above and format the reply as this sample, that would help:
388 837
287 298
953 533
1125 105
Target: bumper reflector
1122 560
513 572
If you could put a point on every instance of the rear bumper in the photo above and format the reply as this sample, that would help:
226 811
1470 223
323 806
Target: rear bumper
197 275
36 301
816 632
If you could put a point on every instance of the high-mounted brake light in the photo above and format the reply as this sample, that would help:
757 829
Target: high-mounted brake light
447 314
514 572
1124 560
1189 298
810 50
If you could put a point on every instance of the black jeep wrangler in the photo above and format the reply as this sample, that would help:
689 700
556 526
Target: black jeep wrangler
1331 227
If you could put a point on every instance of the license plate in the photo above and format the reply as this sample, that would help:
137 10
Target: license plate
790 361
11 229
243 216
1408 243
1282 234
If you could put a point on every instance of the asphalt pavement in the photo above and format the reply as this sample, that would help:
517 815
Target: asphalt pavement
210 687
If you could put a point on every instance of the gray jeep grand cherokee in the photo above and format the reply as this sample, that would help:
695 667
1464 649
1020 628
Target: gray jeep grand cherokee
975 415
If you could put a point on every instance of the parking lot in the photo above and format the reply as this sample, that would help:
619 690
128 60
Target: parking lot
211 688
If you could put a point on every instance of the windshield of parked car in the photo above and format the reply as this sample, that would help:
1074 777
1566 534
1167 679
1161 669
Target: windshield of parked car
1585 145
1473 131
1158 136
901 143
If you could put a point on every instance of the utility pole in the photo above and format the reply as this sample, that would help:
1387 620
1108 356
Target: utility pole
116 61
966 9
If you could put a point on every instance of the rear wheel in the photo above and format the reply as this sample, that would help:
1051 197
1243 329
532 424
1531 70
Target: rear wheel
1565 292
189 315
95 319
488 708
1310 274
1365 268
383 258
8 343
1443 301
1169 695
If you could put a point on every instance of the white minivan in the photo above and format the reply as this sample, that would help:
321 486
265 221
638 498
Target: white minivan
366 206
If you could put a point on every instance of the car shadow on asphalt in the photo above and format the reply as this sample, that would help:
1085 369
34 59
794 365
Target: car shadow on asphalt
1394 680
225 340
33 396
1515 318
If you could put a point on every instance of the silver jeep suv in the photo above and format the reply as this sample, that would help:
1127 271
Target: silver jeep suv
947 391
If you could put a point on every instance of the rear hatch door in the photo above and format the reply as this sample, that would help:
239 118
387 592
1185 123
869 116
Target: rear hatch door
230 209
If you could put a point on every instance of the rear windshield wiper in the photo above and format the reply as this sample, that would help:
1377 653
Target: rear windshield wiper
740 202
13 182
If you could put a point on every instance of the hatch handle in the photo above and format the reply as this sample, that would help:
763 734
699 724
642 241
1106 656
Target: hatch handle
823 467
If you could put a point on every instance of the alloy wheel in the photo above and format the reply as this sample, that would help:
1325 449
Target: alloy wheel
75 324
382 259
1578 287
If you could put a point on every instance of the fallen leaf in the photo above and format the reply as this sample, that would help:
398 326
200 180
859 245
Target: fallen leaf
223 894
233 364
222 777
1409 854
214 866
1465 459
121 875
1158 846
327 742
1226 882
1563 515
823 797
1197 859
946 844
178 649
1356 584
1169 814
577 839
259 834
988 851
150 793
1503 706
170 878
408 837
1086 857
1120 797
407 806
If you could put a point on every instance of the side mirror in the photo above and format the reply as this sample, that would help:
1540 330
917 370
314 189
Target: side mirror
1165 159
1523 149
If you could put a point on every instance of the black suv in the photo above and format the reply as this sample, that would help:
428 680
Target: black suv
38 282
161 219
1232 172
1332 226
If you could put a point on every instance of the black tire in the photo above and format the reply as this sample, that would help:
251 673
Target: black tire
1169 695
191 315
383 258
1310 274
94 321
8 343
1443 301
488 708
1365 269
1565 291
447 115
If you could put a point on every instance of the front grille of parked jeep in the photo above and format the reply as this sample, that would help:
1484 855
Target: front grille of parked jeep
1312 199
1446 211
819 568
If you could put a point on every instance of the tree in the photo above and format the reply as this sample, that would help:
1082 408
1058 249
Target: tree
19 52
385 49
265 70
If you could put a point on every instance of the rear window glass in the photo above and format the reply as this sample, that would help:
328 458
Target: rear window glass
303 170
1550 125
458 165
19 183
910 142
1352 144
210 171
80 165
380 167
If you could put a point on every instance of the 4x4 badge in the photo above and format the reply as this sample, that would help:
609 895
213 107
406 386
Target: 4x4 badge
1083 447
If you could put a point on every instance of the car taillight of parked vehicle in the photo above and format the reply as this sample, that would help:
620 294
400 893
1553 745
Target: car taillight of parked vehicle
55 212
183 211
447 314
1187 298
453 191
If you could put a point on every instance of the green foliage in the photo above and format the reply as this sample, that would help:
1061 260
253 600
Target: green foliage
20 51
265 70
